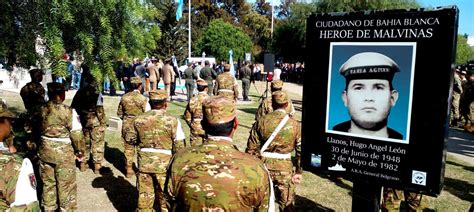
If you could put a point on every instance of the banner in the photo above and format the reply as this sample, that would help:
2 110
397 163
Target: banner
179 10
376 93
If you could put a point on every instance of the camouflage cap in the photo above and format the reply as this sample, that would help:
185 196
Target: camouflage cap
227 67
158 95
55 87
201 82
136 80
277 84
4 112
218 109
280 97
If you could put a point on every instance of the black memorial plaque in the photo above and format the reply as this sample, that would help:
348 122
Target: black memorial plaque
411 152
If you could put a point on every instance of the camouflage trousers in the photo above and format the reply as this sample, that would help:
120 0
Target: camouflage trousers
455 113
59 183
129 152
392 200
95 144
150 187
196 137
284 189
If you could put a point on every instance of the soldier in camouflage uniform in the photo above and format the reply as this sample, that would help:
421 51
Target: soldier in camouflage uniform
265 106
61 144
208 74
193 114
467 102
158 135
131 105
18 181
272 139
88 103
247 77
226 85
216 176
189 76
33 95
392 200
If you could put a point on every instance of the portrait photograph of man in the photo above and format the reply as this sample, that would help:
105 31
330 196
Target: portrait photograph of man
370 89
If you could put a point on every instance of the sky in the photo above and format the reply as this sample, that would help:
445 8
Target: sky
466 12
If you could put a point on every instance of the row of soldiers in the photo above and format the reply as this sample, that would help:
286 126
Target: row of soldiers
209 174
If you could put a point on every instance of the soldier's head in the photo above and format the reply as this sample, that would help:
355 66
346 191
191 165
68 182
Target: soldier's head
279 100
219 116
202 85
226 67
36 75
277 85
136 83
6 117
56 92
369 94
158 99
206 63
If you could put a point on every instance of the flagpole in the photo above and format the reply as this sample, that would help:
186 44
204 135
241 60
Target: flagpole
271 35
189 29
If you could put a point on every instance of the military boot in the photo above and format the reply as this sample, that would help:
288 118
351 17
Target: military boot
97 166
83 166
130 172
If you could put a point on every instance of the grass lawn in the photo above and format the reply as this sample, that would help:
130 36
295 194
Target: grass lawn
317 191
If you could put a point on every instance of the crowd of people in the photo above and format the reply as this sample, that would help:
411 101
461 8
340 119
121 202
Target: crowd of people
204 172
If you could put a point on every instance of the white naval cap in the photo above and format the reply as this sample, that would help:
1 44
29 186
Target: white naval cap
369 65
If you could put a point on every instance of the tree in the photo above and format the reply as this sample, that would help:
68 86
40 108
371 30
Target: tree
463 51
220 37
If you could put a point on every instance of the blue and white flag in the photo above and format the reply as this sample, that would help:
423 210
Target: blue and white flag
179 10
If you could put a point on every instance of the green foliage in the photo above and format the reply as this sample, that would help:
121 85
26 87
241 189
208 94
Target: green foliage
220 37
463 51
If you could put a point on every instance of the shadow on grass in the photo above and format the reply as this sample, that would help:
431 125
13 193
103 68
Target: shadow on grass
305 204
459 188
252 110
115 157
120 192
469 168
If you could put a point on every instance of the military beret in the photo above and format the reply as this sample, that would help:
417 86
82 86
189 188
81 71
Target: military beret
4 112
55 87
36 71
201 82
277 84
226 67
218 109
158 95
280 97
470 72
136 80
369 65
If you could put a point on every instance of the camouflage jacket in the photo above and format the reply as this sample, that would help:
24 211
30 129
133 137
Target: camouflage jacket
216 176
33 95
156 129
286 141
56 122
131 105
265 108
245 73
189 74
229 85
207 74
88 103
194 111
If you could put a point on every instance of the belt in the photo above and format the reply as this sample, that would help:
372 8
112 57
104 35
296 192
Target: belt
226 90
62 140
276 155
162 151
